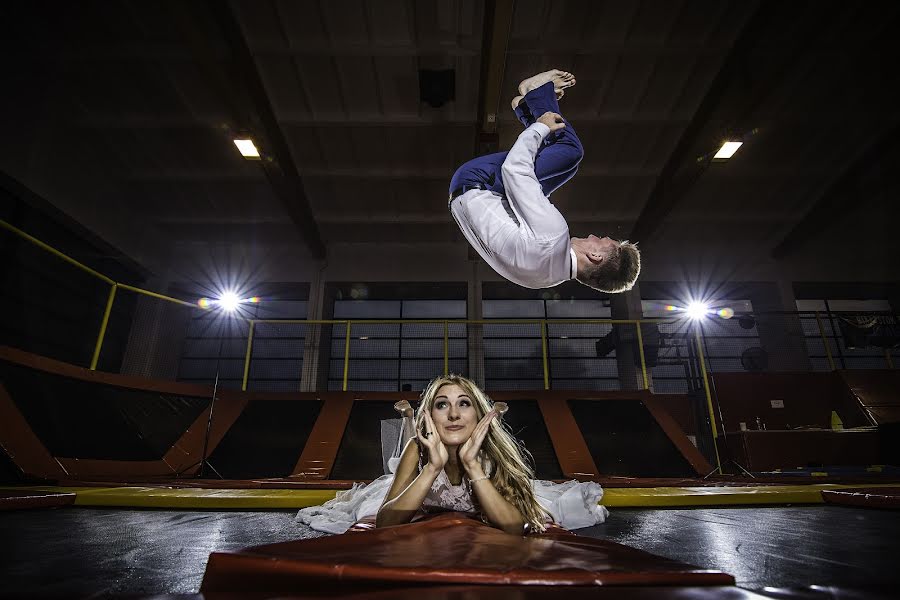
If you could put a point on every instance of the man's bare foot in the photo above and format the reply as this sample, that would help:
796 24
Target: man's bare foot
518 99
560 79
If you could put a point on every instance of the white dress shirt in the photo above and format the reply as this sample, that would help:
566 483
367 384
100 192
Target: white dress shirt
521 236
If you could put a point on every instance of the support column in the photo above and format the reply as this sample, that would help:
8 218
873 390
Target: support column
780 335
475 333
627 305
314 334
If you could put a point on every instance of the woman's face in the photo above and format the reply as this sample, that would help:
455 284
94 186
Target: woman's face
454 414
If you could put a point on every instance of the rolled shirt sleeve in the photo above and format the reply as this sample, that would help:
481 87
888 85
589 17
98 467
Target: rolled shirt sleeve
537 216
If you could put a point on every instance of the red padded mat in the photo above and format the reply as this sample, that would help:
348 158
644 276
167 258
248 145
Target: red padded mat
866 497
444 549
22 499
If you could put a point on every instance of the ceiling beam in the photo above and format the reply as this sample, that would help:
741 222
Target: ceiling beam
495 39
497 23
841 196
669 189
278 163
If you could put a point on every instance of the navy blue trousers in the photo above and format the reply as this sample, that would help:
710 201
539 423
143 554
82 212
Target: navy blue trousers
556 162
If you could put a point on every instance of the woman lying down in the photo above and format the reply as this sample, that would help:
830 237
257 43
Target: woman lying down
461 457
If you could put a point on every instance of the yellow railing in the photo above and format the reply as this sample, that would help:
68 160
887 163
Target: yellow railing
114 285
446 328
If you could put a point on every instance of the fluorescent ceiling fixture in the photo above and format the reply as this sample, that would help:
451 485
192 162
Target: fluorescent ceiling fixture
247 148
229 301
696 310
726 151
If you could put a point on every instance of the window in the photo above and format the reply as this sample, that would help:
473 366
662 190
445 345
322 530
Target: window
394 356
513 353
216 344
859 334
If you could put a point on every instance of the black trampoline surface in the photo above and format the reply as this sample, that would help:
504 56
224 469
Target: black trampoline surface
101 552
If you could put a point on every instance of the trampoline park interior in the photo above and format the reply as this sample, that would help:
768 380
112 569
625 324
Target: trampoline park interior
739 406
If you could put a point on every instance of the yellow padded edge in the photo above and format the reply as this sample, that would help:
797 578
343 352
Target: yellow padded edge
707 496
151 497
256 499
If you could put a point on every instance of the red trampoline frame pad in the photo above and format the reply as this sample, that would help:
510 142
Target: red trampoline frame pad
449 548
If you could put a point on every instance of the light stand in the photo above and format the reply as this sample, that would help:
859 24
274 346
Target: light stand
711 382
203 460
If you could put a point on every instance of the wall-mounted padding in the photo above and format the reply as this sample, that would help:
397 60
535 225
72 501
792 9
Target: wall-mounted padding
360 452
9 472
876 391
625 439
808 398
527 425
75 418
266 440
359 455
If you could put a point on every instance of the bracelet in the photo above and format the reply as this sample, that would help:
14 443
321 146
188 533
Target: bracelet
479 479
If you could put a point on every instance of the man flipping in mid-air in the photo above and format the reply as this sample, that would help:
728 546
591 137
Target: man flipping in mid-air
501 202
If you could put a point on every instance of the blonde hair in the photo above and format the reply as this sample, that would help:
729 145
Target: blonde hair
616 274
510 472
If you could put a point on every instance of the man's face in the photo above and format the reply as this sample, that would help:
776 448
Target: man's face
595 249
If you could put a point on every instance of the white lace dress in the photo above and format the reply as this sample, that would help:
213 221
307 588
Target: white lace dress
572 504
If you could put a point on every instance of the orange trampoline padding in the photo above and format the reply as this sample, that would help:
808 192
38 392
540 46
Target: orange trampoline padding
450 548
866 497
18 500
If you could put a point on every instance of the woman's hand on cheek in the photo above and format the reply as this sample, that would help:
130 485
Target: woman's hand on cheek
468 452
437 451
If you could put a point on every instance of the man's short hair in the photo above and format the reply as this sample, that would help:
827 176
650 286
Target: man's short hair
617 273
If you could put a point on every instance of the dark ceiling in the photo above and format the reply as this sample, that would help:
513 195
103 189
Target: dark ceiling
121 114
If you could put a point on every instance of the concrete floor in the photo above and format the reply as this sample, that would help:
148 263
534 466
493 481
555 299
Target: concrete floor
102 552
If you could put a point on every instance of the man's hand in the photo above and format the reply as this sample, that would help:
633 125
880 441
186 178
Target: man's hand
552 120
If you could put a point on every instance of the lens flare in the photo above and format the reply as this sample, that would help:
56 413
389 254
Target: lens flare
203 303
253 300
725 313
671 307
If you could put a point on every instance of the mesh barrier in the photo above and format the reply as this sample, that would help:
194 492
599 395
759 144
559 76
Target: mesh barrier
176 342
801 341
624 439
83 419
156 343
9 472
266 440
574 359
166 338
360 453
513 356
394 356
673 364
276 359
526 423
851 340
42 295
